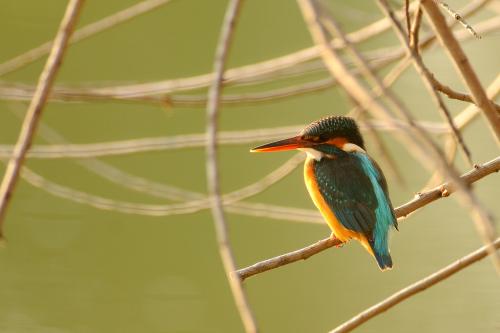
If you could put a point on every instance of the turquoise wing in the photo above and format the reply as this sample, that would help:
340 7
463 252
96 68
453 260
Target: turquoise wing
356 191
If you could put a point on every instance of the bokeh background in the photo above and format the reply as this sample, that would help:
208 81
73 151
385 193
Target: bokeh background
69 267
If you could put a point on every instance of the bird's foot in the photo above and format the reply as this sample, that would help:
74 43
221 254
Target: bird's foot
333 237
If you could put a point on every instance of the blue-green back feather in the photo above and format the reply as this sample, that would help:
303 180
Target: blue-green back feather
384 212
355 189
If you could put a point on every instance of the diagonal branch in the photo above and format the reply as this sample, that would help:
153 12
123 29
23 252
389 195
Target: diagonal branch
415 288
35 108
420 201
463 65
423 147
141 145
412 53
82 33
214 93
482 219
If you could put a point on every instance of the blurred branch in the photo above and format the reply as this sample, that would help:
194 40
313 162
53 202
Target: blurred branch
425 149
17 91
457 17
124 147
35 108
197 201
462 120
82 33
455 94
426 75
482 219
155 92
335 31
415 288
420 201
462 64
414 30
212 168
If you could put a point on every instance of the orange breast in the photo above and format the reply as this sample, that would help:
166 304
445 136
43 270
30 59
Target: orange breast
338 229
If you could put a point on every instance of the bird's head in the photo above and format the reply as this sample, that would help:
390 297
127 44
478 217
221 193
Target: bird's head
338 131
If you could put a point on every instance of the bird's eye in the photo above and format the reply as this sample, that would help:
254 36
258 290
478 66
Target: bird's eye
311 138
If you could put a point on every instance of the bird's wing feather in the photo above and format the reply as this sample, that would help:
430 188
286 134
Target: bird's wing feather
348 191
383 183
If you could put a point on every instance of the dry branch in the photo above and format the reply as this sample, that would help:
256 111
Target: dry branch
35 108
133 146
462 64
415 288
482 219
420 201
197 201
82 33
455 94
426 150
215 199
411 52
462 120
156 92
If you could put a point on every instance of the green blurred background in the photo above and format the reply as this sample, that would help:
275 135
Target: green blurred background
69 267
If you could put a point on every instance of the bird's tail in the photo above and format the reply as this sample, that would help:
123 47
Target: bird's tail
382 256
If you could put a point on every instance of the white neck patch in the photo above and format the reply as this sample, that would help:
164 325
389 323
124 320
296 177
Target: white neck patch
351 147
312 153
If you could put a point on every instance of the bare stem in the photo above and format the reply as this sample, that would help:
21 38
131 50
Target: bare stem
415 288
214 93
463 65
420 201
82 33
481 218
35 108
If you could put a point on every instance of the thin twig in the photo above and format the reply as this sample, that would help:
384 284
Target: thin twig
462 64
455 94
333 27
404 210
240 73
197 201
408 17
458 17
350 84
142 145
415 29
156 92
415 288
214 93
482 220
462 120
82 33
429 155
35 108
465 117
425 73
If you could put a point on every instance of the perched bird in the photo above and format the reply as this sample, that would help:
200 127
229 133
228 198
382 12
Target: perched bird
345 184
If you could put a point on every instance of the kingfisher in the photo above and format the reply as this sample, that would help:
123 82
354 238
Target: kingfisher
345 184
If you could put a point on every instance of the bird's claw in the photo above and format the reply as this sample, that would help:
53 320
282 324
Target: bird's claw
333 237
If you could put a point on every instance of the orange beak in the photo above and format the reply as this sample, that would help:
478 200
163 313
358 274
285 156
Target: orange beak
281 145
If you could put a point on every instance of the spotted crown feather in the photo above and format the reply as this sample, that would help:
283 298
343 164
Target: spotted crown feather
332 127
